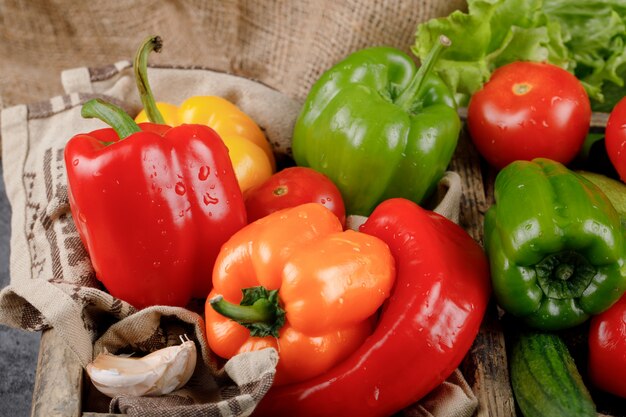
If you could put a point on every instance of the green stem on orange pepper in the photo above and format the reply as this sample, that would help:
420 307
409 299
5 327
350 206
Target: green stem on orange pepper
259 311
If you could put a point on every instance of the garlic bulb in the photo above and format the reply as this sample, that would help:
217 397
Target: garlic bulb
160 372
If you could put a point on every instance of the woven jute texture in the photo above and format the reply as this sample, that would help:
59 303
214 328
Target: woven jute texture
286 44
266 55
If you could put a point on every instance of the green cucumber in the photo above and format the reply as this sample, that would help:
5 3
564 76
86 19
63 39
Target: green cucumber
545 379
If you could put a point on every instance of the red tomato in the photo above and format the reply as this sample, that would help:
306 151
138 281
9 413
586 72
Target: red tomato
529 110
292 187
615 138
607 349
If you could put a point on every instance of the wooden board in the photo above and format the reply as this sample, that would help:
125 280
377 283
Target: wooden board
485 366
58 383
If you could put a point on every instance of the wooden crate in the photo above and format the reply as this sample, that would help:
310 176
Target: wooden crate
61 388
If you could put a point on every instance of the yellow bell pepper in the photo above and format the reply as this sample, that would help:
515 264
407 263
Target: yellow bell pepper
250 152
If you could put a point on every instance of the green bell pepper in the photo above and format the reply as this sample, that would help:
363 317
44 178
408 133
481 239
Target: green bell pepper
378 127
555 244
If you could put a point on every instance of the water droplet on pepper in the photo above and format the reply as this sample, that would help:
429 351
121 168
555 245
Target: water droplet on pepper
209 199
204 172
180 188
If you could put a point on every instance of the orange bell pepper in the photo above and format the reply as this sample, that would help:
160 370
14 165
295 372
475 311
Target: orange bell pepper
250 152
310 290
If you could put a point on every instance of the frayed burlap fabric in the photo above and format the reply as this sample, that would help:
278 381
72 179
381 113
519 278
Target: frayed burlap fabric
286 44
52 281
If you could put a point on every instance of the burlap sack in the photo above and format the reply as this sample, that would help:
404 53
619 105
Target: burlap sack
286 44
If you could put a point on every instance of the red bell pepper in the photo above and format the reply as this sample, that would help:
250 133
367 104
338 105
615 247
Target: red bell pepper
425 329
152 204
607 349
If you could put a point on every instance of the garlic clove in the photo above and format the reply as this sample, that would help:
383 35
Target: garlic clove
158 373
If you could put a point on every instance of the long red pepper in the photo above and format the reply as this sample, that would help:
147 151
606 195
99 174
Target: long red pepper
426 328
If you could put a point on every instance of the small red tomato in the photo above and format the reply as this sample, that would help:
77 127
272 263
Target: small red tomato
292 187
607 349
615 138
529 110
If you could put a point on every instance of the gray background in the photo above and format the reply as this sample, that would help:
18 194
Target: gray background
18 348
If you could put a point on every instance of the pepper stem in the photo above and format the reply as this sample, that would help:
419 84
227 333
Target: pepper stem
564 272
259 311
406 98
564 275
112 115
140 65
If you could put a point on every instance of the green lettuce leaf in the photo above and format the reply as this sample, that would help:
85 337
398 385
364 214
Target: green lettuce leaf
586 37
